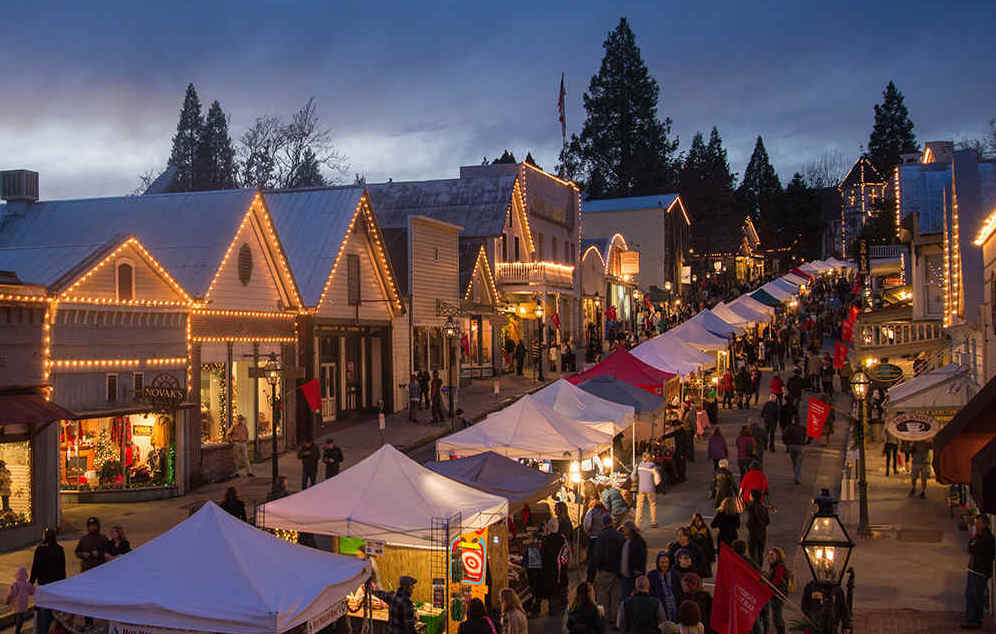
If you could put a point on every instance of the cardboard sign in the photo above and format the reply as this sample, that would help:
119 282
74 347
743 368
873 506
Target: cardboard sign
816 417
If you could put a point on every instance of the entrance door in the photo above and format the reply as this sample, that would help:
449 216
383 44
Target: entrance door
327 379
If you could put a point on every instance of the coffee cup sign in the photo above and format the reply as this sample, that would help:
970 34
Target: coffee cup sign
913 427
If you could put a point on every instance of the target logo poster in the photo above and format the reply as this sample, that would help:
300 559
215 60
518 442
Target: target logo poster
472 551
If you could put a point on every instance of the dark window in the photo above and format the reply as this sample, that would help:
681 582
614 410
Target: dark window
353 279
126 281
539 246
504 247
553 249
245 264
516 248
112 388
138 382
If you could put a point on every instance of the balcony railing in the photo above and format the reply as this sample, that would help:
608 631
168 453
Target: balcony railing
535 274
894 334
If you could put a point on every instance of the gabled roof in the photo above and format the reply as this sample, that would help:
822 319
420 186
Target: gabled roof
478 203
633 203
861 173
188 232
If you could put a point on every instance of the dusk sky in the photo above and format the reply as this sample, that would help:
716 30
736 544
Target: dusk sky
92 90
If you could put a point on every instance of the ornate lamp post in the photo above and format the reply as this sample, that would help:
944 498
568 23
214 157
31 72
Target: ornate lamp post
273 374
860 385
451 330
827 547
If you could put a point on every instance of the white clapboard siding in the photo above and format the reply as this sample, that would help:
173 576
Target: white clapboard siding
435 270
372 294
148 283
401 355
262 292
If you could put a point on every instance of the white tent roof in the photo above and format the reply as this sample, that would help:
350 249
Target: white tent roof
212 573
727 314
565 398
777 291
782 283
692 333
946 386
754 305
526 429
812 267
386 496
716 324
671 354
792 278
838 264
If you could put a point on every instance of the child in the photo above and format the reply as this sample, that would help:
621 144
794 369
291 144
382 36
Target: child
17 597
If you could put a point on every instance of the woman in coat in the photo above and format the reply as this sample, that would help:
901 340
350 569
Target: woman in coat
717 448
49 565
701 536
554 573
727 520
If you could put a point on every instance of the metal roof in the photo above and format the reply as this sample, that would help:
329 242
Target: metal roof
312 224
921 189
633 203
477 203
187 233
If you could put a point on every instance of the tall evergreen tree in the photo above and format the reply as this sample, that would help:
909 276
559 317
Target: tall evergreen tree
760 190
892 135
529 159
624 150
707 188
506 158
214 167
309 172
189 128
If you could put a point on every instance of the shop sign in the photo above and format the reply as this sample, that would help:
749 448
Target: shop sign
471 550
886 373
686 275
328 617
374 547
629 262
128 628
164 392
863 258
940 414
913 427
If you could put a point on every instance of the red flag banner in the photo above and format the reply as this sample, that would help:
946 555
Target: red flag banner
555 318
816 417
839 355
465 345
312 394
853 313
739 596
847 331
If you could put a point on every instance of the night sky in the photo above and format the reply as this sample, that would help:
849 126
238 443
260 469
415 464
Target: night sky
412 90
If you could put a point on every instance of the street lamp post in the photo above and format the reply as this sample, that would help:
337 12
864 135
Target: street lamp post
827 548
451 330
860 383
273 371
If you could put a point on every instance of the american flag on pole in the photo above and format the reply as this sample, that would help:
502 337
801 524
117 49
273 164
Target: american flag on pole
561 113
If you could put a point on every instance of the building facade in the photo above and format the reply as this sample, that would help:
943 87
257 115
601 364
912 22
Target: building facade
862 193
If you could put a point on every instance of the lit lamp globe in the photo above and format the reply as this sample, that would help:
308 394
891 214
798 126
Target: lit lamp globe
273 370
607 463
450 328
826 544
575 471
860 383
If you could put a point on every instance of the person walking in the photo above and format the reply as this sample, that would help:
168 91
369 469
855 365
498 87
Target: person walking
592 525
691 586
745 449
436 398
726 389
92 547
118 544
758 519
308 455
641 613
608 554
478 621
891 452
760 436
717 448
921 467
647 479
414 396
401 611
727 521
684 542
723 485
513 615
584 616
755 384
769 414
826 376
633 562
18 596
520 357
742 383
981 551
423 388
239 437
331 458
701 537
795 387
778 575
662 584
48 566
794 438
554 569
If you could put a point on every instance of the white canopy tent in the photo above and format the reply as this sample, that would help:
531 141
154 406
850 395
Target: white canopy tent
742 312
567 399
792 278
386 496
211 573
946 386
695 335
754 305
526 429
716 324
671 354
777 291
785 285
811 268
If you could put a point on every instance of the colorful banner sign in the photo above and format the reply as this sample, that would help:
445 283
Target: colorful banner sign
816 417
847 331
913 427
471 549
740 595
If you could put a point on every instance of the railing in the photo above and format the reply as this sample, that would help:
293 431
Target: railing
899 333
535 273
328 409
887 250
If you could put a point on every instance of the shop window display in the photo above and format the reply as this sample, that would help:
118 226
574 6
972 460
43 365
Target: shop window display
214 405
133 451
15 483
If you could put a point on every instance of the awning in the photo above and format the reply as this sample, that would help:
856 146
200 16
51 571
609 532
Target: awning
31 409
765 298
968 432
984 478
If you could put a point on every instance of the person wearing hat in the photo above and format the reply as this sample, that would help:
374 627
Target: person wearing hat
92 547
401 613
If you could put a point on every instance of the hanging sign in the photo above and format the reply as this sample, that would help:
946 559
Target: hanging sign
164 392
913 427
886 373
373 547
128 628
471 550
629 262
328 617
816 417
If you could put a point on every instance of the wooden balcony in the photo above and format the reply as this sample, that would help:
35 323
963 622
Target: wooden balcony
898 338
535 274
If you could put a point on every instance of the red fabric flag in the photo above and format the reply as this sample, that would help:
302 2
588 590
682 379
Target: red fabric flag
465 344
561 108
313 394
847 331
855 289
739 596
839 355
610 313
853 313
555 318
816 417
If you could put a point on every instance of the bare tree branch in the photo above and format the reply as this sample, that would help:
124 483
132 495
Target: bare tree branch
827 170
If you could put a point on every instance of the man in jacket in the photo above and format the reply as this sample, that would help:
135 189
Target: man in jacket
308 455
332 458
769 414
633 562
794 438
608 553
641 613
760 440
920 467
401 612
647 478
92 547
239 436
795 386
757 527
981 550
745 449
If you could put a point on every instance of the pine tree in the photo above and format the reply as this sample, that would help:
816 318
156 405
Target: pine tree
624 150
529 159
507 158
309 172
189 128
892 136
214 167
760 190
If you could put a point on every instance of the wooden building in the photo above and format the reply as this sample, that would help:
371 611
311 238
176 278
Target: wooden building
610 277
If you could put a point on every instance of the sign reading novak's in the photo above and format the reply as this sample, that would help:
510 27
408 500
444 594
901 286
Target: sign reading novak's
164 392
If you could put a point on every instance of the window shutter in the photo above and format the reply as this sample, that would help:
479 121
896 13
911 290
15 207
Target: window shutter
353 279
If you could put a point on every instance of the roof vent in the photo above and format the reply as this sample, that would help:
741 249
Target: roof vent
19 185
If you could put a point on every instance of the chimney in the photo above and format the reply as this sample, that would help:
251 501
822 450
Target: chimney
19 186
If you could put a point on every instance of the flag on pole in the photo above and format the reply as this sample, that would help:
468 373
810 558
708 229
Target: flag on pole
847 331
816 417
852 314
740 594
312 394
561 109
555 318
839 355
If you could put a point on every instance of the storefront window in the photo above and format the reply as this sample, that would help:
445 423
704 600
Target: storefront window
214 405
121 452
479 336
15 483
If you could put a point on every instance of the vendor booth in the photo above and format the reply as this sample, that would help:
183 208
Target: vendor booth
748 301
649 408
415 522
779 290
716 324
971 429
768 299
212 573
565 398
623 365
939 393
673 355
694 334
